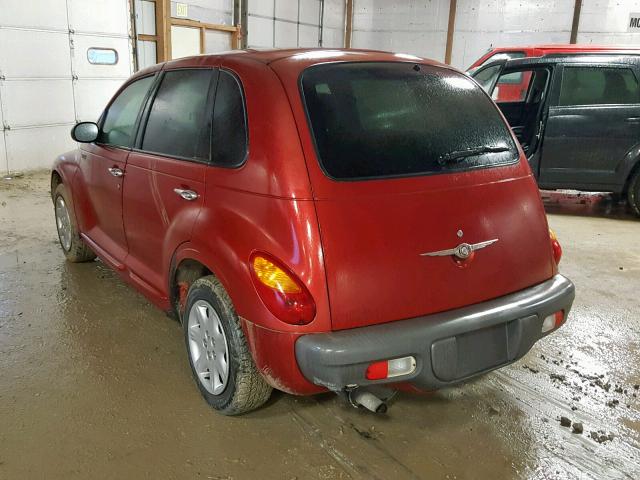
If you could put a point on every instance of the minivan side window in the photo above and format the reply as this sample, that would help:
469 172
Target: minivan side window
229 138
598 86
120 118
178 122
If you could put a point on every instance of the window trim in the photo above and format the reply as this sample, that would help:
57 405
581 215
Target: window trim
238 81
106 49
136 125
146 111
316 151
627 66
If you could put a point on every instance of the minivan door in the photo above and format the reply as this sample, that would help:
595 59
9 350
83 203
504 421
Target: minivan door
102 168
164 190
593 123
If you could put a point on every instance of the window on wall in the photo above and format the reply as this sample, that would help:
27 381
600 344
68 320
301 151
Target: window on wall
102 56
229 139
120 119
178 123
598 86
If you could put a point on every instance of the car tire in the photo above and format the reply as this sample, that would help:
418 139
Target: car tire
71 243
218 354
633 194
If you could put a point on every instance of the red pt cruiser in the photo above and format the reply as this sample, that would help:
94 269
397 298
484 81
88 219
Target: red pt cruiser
318 220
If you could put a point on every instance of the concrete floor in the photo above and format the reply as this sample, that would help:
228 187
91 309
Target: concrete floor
94 381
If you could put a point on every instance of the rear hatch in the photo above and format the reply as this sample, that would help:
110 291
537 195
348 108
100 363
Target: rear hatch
415 160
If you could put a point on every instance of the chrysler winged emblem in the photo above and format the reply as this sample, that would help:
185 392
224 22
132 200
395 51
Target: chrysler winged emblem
462 251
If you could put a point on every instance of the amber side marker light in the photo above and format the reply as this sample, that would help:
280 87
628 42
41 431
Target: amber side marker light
555 246
284 295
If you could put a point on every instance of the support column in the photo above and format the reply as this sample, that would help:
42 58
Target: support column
576 21
450 30
348 23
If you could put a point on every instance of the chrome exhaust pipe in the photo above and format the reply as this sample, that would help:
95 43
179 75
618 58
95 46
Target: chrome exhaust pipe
366 399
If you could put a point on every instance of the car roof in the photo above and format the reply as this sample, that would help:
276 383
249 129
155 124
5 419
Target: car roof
295 58
593 57
567 46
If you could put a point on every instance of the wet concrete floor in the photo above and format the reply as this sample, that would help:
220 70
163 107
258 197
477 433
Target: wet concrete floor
94 381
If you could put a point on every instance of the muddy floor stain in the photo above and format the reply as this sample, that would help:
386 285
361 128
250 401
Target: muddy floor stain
94 381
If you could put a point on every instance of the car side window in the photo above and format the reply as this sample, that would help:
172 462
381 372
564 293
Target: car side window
119 123
178 123
229 136
598 86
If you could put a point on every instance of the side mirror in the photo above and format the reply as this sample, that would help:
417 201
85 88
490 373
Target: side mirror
85 132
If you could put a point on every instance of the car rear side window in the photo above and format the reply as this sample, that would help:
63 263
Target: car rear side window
120 118
178 122
372 120
229 137
598 86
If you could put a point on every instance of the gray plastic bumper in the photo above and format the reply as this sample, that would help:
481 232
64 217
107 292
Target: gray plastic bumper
449 347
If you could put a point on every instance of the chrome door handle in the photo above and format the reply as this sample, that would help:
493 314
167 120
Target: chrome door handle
115 171
186 194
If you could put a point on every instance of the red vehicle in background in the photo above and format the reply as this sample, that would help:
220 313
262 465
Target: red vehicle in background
512 88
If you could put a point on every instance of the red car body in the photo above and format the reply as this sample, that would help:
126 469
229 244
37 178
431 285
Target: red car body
513 90
355 245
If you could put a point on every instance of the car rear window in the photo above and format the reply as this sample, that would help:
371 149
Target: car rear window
372 120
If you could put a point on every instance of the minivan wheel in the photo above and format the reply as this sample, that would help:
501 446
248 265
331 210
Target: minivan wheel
219 357
633 194
72 245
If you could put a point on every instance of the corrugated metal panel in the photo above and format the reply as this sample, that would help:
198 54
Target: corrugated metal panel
36 147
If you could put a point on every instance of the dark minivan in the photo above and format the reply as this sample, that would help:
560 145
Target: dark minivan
578 120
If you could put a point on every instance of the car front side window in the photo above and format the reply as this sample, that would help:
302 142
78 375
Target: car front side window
118 128
178 122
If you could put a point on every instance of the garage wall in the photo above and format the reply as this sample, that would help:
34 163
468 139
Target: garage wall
418 27
47 83
295 23
605 22
480 25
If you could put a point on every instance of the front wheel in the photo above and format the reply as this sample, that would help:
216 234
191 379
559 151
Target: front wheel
72 245
218 353
633 194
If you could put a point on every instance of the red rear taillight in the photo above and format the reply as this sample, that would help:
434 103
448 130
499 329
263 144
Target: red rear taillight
281 291
555 246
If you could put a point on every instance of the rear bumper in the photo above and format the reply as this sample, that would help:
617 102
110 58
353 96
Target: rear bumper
449 347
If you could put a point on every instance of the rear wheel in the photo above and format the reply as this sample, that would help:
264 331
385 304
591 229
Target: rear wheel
633 194
72 245
219 356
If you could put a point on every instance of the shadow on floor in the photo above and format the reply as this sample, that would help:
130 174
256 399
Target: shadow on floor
589 204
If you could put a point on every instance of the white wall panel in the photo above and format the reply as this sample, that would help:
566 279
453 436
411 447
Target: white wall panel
207 11
261 7
334 14
418 27
605 22
310 11
37 102
287 10
260 32
104 16
29 53
145 17
30 13
36 147
308 36
482 25
147 54
215 41
286 34
332 37
92 96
